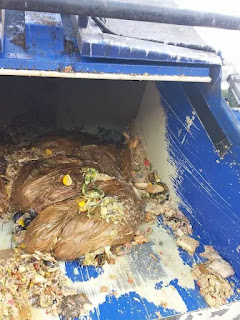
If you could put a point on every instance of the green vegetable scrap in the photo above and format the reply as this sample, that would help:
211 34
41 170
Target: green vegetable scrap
111 209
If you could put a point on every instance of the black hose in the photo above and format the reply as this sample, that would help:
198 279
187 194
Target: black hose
103 26
128 10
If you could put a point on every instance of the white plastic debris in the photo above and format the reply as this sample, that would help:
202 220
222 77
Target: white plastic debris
39 279
216 264
221 268
187 243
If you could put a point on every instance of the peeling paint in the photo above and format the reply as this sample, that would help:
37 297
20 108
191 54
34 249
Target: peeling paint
190 121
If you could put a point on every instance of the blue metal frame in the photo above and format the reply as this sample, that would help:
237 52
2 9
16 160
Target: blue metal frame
43 47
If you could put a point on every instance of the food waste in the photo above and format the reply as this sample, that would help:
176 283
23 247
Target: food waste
36 280
78 196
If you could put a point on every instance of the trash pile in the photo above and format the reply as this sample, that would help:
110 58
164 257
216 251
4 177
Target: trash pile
211 277
35 279
69 197
155 197
76 195
79 191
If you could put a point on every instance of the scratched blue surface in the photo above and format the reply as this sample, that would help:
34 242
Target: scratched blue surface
210 185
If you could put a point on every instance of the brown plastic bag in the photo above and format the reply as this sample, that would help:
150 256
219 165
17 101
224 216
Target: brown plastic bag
107 157
115 158
45 146
65 143
69 235
39 183
88 147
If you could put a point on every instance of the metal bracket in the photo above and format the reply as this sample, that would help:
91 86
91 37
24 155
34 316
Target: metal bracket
82 22
44 32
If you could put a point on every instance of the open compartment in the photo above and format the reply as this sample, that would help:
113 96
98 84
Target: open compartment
153 279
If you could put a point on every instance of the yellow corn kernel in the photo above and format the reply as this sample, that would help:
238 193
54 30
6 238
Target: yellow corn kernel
81 203
21 222
22 245
31 285
67 180
47 274
48 152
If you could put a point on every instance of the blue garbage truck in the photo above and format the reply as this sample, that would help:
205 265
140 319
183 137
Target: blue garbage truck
89 64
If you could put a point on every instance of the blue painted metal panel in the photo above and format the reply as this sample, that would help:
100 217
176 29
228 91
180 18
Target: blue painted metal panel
94 43
43 46
219 108
210 189
237 114
44 32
